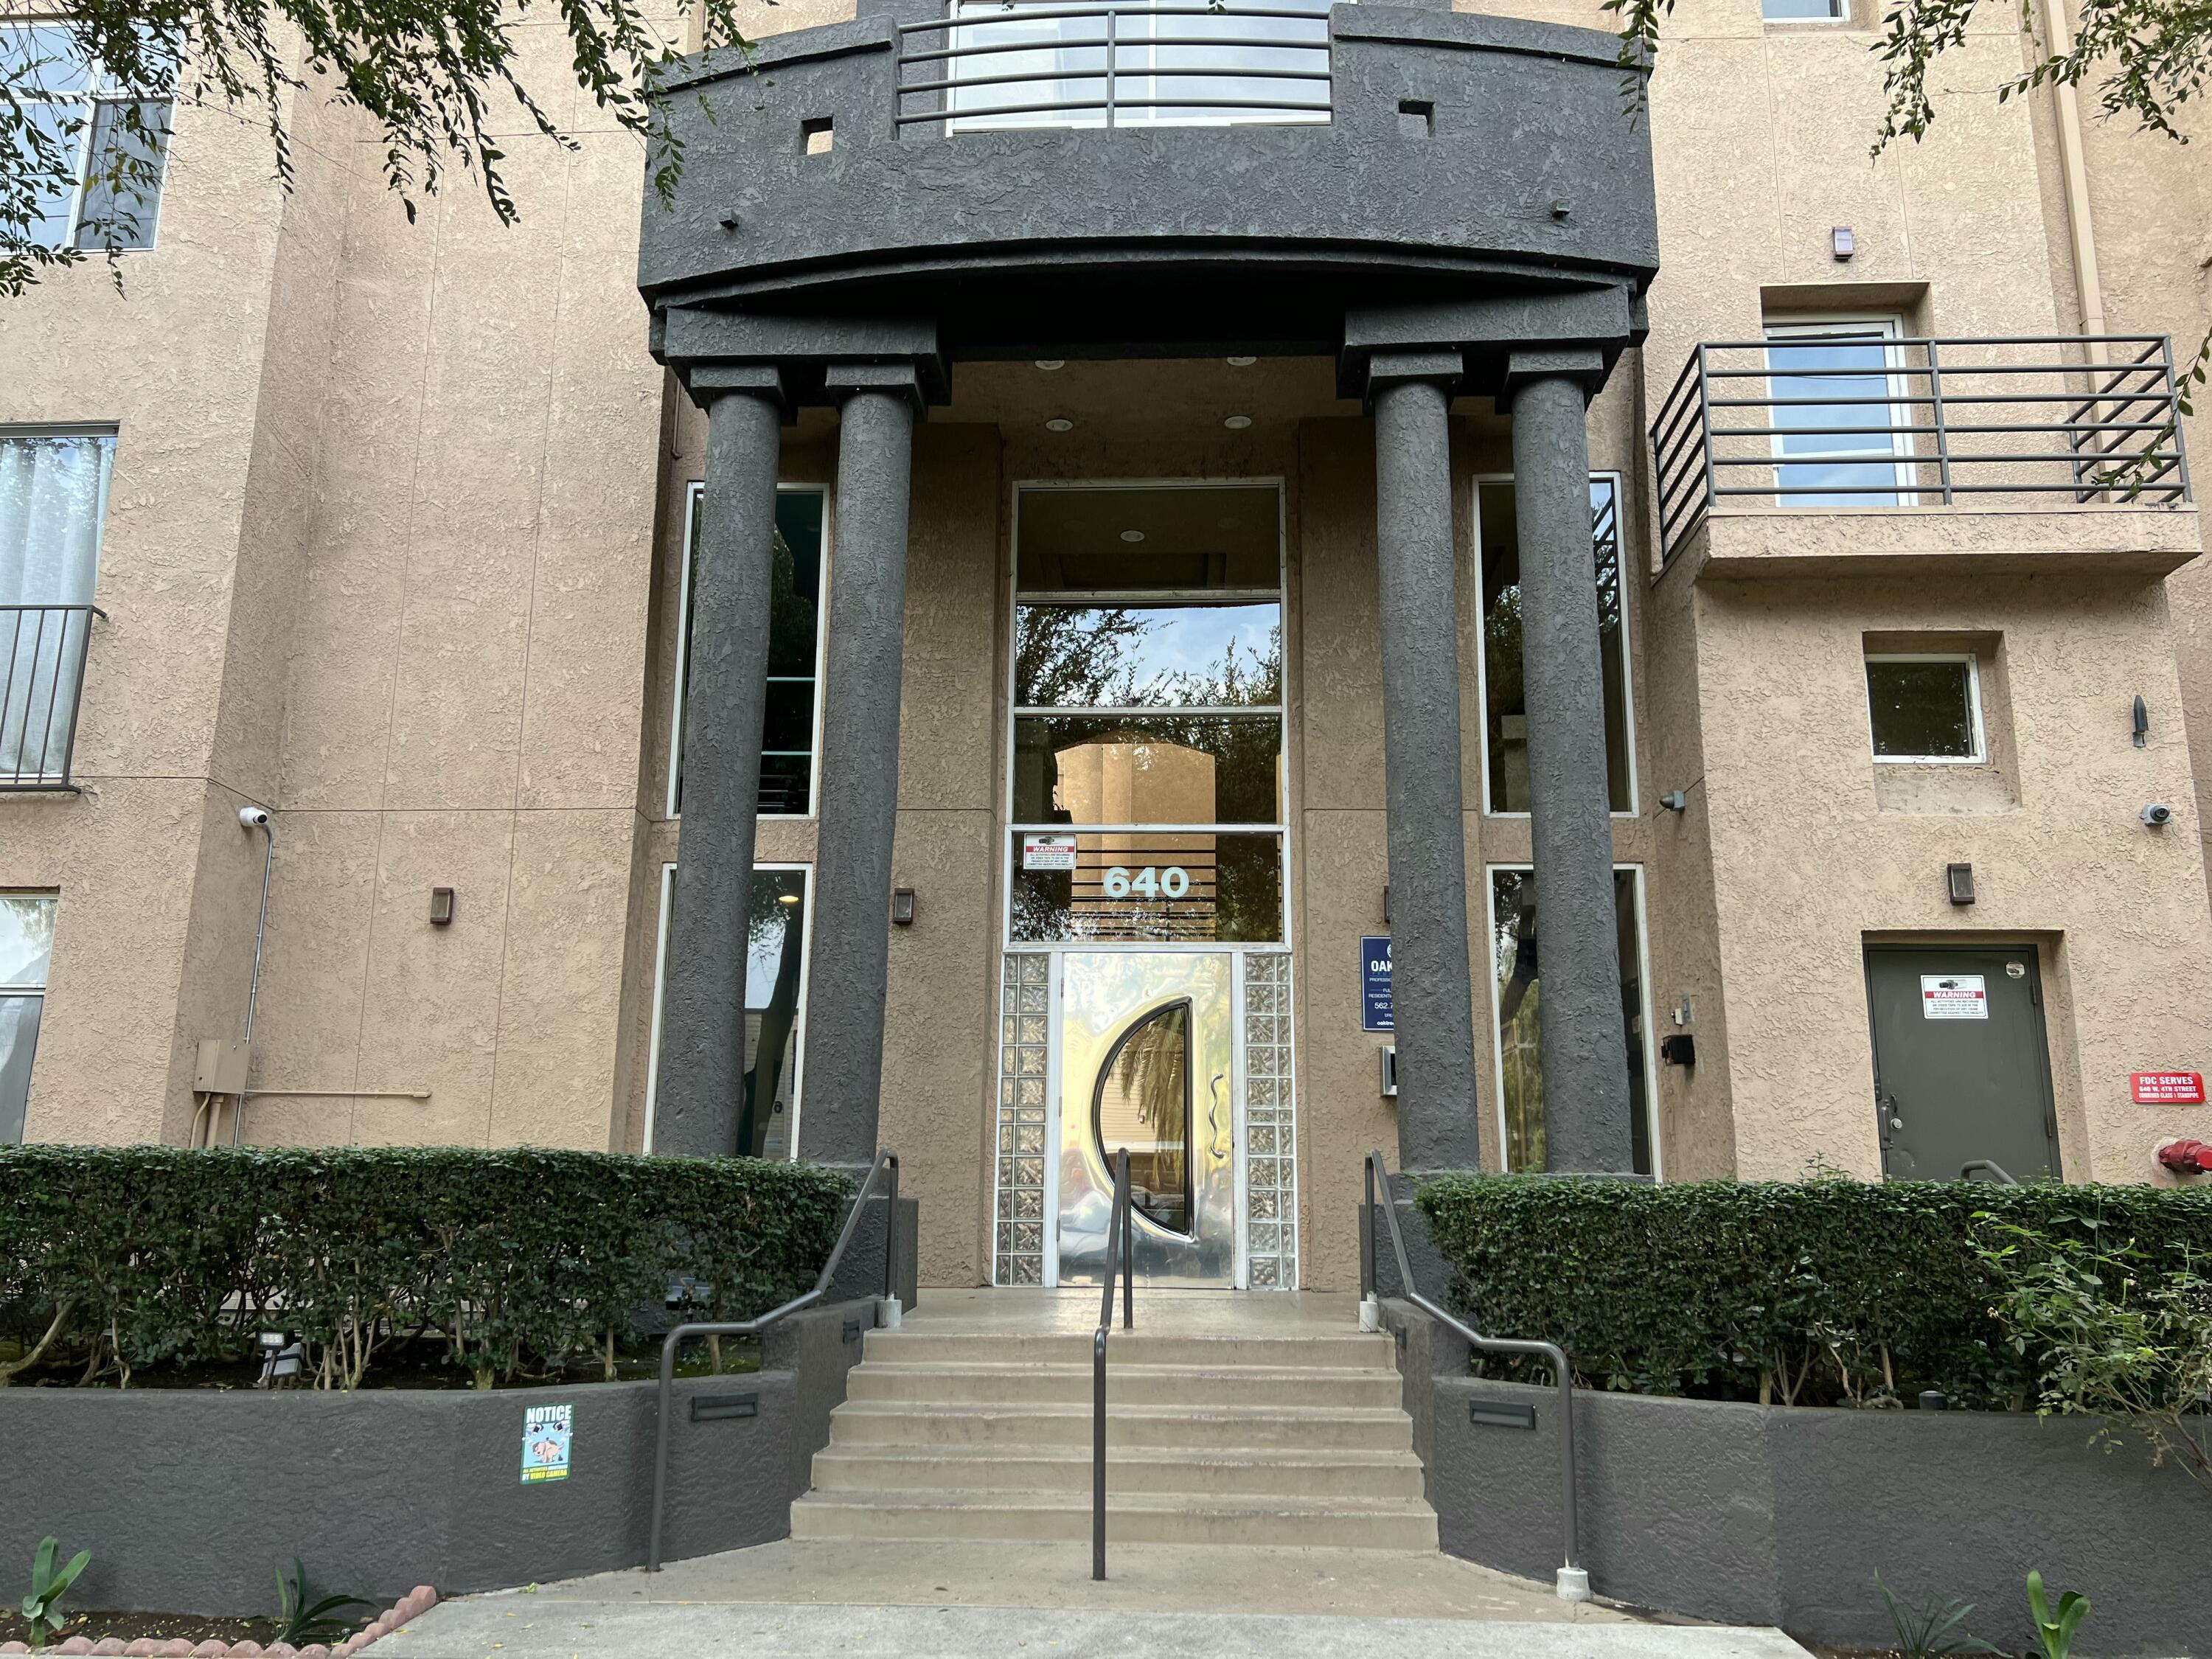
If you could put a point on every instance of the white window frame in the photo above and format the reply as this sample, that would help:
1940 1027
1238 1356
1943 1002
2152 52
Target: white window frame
1886 328
1489 809
1643 986
1839 11
694 492
1981 754
661 988
98 91
1011 827
38 990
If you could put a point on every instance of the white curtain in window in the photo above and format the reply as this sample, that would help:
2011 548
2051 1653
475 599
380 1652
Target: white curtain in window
53 491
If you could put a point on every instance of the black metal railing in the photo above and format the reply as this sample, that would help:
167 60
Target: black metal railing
41 691
1114 65
1811 420
885 1168
1573 1580
1117 1261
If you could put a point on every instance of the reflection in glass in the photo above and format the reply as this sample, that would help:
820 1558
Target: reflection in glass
1520 994
1849 365
1146 886
1504 702
1922 710
1142 1102
18 1045
1160 769
1190 656
26 937
776 956
1177 539
787 785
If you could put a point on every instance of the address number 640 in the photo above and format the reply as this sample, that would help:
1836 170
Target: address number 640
1150 881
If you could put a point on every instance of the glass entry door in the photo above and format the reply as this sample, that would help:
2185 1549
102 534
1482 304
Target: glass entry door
1147 1046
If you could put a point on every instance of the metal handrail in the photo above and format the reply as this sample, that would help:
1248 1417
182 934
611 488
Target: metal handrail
1966 1170
2098 416
34 702
886 1165
1117 1227
1102 88
1572 1582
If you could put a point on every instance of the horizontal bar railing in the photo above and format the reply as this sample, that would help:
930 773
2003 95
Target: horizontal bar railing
886 1168
1103 62
40 692
1915 423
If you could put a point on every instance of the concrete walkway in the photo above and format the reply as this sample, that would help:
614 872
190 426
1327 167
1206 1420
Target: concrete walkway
970 1601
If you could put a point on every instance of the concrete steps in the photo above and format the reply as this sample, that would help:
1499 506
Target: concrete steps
1292 1440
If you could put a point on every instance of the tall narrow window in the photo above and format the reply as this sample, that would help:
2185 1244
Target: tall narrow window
790 729
1147 768
53 496
27 945
1841 414
1505 719
1519 988
99 148
774 1013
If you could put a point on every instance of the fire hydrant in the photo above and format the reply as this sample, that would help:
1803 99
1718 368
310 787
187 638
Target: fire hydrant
2186 1158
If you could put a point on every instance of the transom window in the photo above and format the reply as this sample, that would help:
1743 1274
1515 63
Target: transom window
1805 11
1145 782
105 144
1925 709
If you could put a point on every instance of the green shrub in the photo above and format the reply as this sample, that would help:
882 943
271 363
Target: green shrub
125 1258
1822 1293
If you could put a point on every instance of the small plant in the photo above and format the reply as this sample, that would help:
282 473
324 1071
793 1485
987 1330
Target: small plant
2056 1634
301 1624
1931 1635
41 1608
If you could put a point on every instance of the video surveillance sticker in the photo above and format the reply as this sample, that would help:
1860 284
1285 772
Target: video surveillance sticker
546 1433
1954 996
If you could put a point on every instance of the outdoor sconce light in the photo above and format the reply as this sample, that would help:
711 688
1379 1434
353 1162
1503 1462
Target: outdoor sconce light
1961 879
2142 723
903 906
442 907
1839 242
1675 801
1679 1049
1386 904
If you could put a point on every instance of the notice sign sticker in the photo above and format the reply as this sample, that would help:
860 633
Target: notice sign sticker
1954 996
2167 1088
546 1431
1048 852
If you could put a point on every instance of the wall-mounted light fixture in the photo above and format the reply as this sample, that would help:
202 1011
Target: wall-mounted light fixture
1960 878
1386 904
442 907
2142 723
1841 242
1675 801
903 906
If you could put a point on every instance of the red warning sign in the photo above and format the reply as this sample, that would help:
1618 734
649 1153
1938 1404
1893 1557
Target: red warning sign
2167 1088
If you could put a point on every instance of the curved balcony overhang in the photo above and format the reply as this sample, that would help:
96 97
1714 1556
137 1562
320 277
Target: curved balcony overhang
1485 166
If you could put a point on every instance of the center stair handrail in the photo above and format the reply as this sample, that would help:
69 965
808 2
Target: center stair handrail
1573 1580
886 1167
1117 1230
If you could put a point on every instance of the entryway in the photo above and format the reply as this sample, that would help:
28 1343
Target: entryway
1961 1062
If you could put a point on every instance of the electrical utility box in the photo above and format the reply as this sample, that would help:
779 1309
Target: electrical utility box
221 1068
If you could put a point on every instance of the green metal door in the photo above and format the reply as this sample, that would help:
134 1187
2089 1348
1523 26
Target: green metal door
1962 1070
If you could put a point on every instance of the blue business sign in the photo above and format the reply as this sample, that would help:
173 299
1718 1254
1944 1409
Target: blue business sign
1375 983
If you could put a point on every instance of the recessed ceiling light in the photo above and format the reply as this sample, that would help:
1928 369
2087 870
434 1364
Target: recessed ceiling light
1133 535
1243 362
1060 423
1052 362
1237 422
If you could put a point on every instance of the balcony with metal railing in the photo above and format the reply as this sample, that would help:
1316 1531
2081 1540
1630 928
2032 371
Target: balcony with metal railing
40 689
1842 448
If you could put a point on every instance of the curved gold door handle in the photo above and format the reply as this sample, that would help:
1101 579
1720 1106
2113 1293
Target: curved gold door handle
1214 1117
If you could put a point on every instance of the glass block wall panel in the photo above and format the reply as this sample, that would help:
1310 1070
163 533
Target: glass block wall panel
1025 1022
1270 1125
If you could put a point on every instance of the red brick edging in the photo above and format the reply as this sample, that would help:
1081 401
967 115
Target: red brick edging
416 1602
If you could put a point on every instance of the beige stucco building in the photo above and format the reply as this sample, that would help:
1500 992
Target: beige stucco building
388 531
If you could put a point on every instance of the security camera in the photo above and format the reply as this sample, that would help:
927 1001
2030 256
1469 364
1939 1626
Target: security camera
2158 814
257 817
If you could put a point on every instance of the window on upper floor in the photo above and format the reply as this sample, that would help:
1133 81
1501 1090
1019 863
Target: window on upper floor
99 146
1805 11
1841 412
53 497
1926 709
26 943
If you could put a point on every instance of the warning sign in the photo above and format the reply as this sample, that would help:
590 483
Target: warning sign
1047 852
546 1433
1954 996
2167 1088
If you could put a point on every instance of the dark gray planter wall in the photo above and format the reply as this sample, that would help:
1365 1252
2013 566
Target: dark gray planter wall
187 1498
1752 1515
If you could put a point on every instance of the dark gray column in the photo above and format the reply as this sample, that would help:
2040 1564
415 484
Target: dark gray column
701 1092
1432 992
859 809
1586 1102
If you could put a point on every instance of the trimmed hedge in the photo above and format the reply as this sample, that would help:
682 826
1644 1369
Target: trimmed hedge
1825 1292
514 1261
